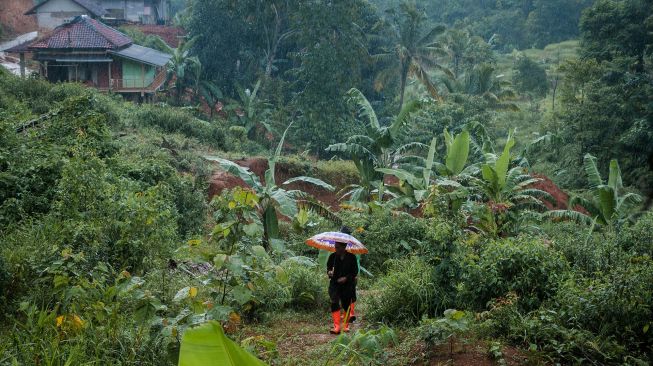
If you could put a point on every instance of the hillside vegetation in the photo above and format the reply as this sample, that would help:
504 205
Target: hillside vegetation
503 191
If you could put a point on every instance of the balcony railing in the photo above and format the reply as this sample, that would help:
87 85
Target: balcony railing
138 84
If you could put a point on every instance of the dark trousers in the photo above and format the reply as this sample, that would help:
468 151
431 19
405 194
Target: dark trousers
340 295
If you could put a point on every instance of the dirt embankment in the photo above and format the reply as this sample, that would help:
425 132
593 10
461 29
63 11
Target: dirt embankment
13 18
222 180
561 197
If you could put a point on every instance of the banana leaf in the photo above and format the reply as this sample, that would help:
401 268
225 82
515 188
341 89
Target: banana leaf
207 345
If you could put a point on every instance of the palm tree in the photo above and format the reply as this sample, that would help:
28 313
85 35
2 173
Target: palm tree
413 51
273 200
466 50
375 149
609 206
481 81
183 68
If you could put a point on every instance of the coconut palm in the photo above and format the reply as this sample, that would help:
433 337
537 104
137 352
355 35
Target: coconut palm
481 81
413 50
609 205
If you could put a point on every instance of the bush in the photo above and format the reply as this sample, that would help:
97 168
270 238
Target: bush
638 237
175 120
389 236
307 285
587 252
405 294
614 305
530 77
524 265
4 285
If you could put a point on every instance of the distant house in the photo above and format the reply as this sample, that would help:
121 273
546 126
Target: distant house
138 11
53 13
86 50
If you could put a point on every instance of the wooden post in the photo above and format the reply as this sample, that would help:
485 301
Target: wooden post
22 64
109 63
142 79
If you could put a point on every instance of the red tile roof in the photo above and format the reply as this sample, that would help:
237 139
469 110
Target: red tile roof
83 32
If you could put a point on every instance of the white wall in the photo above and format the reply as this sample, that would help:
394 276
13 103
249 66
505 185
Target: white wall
56 12
132 9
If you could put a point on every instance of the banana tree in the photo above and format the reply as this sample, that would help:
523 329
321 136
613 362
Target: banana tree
183 68
373 150
457 154
609 205
412 189
274 200
507 192
255 111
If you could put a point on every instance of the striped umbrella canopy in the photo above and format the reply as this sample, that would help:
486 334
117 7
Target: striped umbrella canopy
327 241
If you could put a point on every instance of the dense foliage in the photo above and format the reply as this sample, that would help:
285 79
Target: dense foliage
502 190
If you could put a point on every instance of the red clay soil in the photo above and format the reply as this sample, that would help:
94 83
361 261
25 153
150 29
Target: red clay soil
222 180
13 18
561 197
171 35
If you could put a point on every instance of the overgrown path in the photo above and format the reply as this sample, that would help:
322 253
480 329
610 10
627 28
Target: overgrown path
302 338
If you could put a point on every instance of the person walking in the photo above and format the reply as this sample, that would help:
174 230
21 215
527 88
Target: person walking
342 269
352 306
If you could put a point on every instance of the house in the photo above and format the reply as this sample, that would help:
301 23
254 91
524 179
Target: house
53 13
137 11
86 50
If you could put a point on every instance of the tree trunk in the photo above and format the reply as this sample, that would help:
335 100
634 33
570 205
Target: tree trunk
404 76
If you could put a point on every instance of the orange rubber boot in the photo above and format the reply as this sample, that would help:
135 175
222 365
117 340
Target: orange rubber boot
336 322
346 320
352 316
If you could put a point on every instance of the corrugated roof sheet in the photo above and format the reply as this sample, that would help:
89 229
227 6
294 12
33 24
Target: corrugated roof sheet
144 54
93 8
84 32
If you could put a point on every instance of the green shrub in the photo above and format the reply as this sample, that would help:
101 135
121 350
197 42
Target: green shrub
175 120
405 294
524 265
586 252
544 332
389 236
363 347
615 305
5 277
638 237
307 284
454 323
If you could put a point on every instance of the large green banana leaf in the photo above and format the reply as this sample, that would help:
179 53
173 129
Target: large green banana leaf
457 153
207 345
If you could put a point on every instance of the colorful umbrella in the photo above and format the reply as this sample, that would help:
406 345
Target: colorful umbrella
327 241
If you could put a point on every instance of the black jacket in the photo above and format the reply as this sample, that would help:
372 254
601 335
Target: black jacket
345 267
